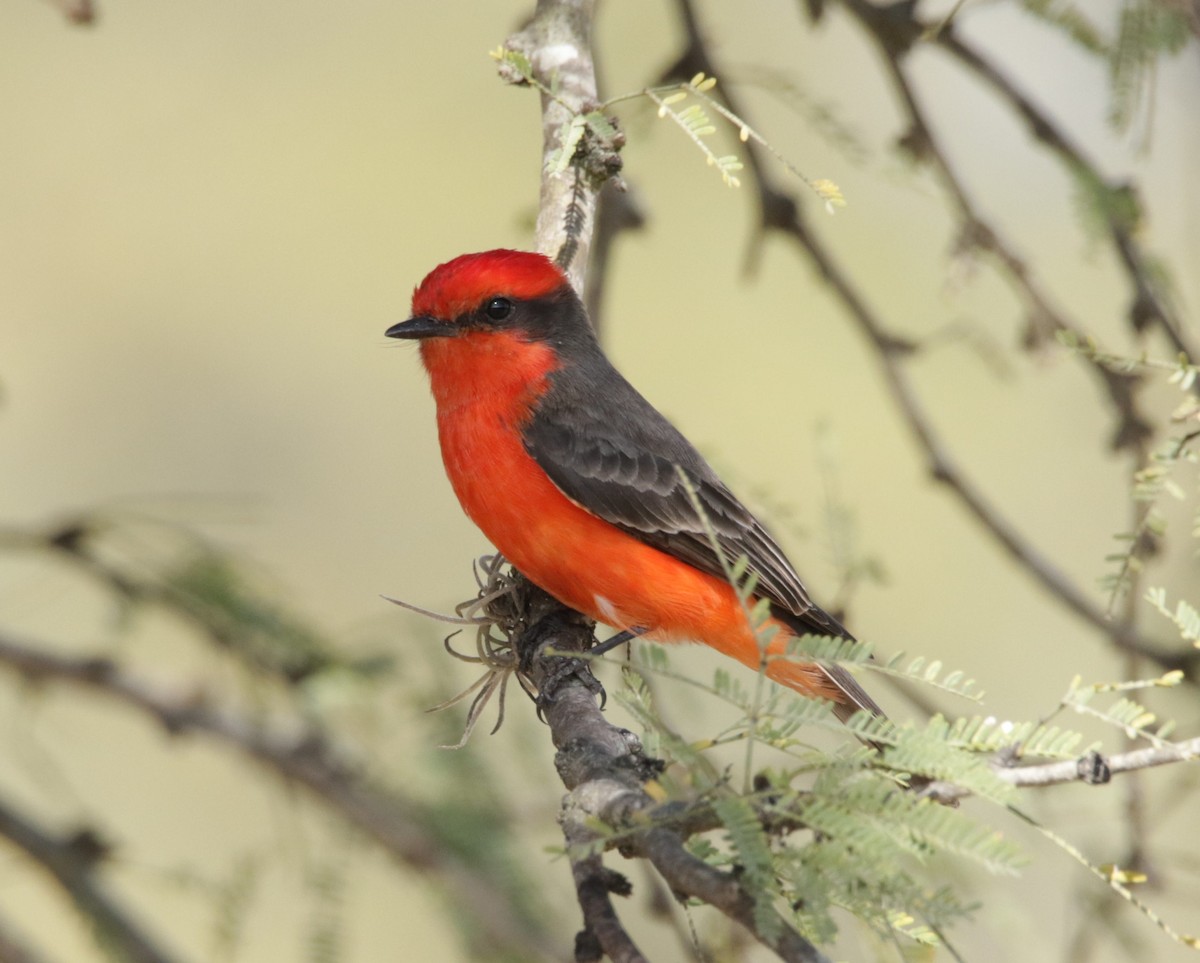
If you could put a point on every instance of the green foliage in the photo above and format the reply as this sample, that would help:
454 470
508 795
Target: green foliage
214 591
233 899
930 672
692 769
695 123
928 752
1101 206
1160 474
872 818
1029 739
829 648
1184 615
825 832
1146 31
1067 17
1125 714
752 852
326 887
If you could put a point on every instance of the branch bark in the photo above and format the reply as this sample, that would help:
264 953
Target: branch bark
1092 769
604 769
558 43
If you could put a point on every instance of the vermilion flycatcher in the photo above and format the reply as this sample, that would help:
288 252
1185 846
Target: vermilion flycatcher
574 476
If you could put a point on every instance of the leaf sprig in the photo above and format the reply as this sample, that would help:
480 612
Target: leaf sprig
693 119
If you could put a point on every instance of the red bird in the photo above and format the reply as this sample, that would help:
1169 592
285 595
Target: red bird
573 475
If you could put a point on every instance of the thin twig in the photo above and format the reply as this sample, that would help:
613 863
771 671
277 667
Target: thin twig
72 862
780 211
1083 769
897 29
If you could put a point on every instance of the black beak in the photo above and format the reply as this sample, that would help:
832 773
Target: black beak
416 328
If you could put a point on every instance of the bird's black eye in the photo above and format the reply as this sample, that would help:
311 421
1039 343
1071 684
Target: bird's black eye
498 309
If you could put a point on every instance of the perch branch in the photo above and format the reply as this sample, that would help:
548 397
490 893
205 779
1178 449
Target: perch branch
604 769
558 45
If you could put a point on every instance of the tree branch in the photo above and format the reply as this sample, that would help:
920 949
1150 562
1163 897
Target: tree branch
1043 317
1092 768
72 862
307 757
780 211
558 44
604 768
897 29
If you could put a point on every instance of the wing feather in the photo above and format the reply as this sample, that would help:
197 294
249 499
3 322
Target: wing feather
627 472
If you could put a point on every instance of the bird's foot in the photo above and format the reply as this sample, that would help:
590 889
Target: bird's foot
565 669
548 669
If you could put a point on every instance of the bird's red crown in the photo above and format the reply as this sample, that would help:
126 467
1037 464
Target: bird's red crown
462 284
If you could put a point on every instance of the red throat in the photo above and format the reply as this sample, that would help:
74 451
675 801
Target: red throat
499 371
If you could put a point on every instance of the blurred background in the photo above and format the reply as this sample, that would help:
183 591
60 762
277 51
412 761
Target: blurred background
209 214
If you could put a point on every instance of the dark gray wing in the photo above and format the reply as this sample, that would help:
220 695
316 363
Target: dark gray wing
624 468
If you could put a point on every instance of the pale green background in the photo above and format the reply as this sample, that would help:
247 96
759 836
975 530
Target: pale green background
210 212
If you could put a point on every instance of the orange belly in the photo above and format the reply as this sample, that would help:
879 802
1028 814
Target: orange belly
591 565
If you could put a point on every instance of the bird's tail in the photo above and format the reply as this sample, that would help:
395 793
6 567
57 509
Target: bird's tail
825 681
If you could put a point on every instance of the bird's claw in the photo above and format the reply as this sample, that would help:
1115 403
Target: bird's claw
567 668
555 670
